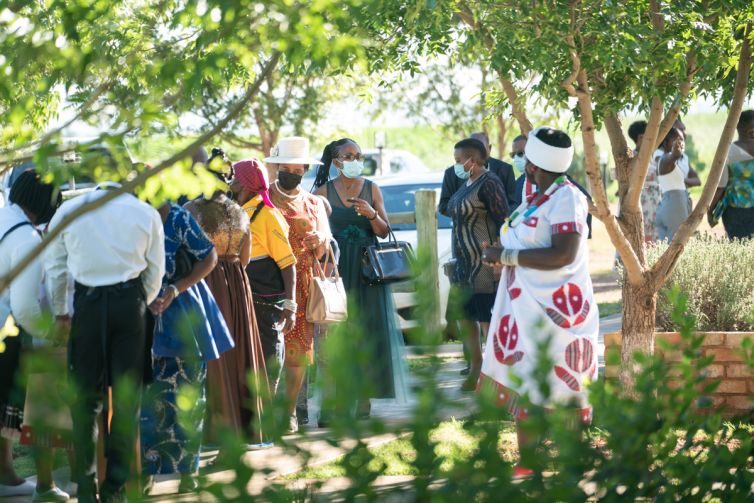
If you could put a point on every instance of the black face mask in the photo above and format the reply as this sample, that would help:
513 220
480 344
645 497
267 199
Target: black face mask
289 181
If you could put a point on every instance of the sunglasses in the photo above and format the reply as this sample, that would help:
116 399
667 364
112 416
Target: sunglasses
517 154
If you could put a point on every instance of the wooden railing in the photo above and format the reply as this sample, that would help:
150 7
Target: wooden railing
425 219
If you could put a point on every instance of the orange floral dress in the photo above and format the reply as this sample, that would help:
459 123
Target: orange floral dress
304 215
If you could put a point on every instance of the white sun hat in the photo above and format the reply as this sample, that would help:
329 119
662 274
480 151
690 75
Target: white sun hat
292 150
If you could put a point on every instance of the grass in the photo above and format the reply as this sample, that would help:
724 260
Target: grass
454 445
610 308
424 362
23 461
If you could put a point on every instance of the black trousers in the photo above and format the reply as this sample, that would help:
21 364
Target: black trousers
273 342
106 349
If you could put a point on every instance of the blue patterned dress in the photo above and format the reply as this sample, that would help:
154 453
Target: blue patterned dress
189 333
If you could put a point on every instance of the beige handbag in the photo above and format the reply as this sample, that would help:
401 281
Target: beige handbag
327 302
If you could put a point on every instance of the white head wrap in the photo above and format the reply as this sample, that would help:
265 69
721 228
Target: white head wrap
547 157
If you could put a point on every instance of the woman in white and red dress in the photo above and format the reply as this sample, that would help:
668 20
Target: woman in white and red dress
545 291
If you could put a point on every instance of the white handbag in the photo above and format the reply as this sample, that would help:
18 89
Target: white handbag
327 303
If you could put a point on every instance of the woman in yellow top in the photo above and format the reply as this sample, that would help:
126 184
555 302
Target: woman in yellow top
271 271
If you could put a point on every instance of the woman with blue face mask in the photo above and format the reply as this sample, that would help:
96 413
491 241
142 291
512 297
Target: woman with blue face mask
478 209
358 218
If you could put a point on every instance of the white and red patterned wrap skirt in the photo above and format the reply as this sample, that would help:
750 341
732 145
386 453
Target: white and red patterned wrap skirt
533 306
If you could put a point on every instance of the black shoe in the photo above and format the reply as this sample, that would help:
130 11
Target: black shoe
302 415
363 410
466 371
188 484
113 496
147 485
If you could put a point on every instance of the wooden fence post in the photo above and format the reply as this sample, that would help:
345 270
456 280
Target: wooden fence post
426 230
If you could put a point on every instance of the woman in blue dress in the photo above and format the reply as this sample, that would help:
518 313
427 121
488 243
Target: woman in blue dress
189 332
358 218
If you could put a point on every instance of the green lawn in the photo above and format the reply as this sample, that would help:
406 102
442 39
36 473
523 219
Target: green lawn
424 362
610 308
23 461
454 444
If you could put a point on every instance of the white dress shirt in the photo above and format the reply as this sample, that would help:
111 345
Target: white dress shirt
115 243
22 299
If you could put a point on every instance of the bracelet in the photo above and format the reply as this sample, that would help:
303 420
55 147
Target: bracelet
290 305
374 217
175 290
509 257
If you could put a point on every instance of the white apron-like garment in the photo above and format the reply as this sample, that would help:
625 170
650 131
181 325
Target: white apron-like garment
533 305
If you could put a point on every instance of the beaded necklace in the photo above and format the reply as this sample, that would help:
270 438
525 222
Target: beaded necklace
518 216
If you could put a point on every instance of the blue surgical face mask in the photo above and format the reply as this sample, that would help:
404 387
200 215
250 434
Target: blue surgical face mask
352 169
460 172
520 162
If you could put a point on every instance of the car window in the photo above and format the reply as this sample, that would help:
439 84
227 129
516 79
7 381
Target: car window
398 165
370 165
401 198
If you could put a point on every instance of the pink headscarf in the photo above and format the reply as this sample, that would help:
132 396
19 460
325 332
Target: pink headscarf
252 175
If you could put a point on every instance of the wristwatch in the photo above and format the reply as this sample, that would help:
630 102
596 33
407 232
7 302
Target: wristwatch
174 288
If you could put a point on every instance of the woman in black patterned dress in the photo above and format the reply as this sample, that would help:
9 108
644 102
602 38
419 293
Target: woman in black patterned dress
478 210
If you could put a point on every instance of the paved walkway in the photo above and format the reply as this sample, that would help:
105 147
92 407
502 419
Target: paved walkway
275 463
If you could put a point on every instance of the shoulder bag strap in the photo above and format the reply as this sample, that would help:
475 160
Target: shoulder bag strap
256 212
20 224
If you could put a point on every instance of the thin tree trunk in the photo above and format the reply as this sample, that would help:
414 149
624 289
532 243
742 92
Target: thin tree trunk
502 133
639 310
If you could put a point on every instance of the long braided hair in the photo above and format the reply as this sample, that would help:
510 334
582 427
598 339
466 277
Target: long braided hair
331 152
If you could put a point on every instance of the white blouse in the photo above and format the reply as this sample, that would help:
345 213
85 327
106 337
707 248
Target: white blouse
22 299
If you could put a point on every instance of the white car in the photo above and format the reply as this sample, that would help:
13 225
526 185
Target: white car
398 193
394 162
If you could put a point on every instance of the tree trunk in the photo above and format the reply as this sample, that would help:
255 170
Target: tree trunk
639 310
502 133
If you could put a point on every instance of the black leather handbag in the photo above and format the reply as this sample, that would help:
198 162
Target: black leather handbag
388 262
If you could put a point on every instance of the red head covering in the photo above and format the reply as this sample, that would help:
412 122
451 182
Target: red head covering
252 175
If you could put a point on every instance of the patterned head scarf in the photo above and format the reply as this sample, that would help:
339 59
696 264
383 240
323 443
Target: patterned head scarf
252 175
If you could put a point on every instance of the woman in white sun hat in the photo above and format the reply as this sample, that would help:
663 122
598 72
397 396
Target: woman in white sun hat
545 292
308 235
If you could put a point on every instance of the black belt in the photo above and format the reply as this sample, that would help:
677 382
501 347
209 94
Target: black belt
102 293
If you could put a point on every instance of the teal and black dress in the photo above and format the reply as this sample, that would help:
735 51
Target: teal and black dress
373 306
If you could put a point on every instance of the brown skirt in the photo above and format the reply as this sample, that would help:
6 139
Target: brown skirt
231 401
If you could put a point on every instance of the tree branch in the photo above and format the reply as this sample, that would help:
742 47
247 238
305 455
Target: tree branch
685 89
658 22
647 148
622 154
518 110
129 186
667 261
634 269
101 89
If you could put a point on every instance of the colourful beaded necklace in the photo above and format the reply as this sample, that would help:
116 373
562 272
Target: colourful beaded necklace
537 201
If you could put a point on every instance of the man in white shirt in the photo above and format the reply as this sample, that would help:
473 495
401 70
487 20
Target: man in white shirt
116 256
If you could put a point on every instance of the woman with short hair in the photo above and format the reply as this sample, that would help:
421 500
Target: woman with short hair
478 209
675 176
189 332
32 203
545 297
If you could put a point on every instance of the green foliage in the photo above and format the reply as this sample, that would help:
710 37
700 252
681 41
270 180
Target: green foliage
627 59
662 443
709 273
138 70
